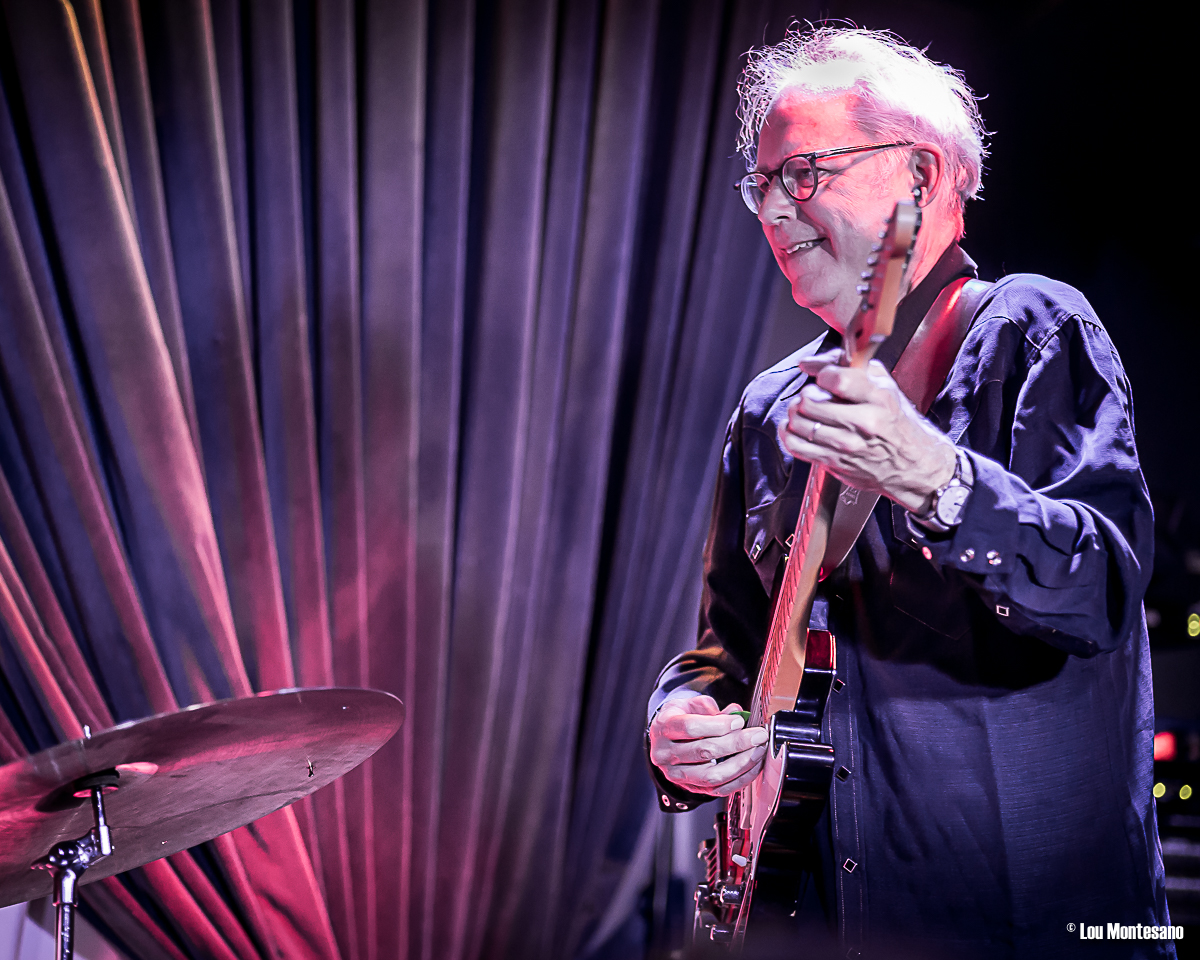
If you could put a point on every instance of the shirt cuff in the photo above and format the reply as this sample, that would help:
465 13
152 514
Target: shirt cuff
672 798
1000 506
977 543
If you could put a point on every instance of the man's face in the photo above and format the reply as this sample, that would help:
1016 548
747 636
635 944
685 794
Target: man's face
822 244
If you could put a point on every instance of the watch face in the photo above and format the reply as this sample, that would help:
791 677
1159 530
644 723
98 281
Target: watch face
950 505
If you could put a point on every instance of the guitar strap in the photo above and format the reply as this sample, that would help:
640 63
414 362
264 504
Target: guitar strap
920 373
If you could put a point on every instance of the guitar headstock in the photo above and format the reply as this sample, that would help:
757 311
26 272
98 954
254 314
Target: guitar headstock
881 287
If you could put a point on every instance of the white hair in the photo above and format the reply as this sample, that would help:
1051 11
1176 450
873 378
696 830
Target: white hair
900 94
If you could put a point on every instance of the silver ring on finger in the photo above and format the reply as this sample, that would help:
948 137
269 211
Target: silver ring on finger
812 437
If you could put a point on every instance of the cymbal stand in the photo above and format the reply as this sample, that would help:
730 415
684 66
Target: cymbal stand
66 861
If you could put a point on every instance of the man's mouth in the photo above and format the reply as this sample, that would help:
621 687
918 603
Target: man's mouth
802 245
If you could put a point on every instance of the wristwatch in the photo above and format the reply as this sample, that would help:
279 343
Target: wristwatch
945 512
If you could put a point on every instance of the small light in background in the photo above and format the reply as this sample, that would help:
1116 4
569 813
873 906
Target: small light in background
1159 791
1185 792
1194 624
1153 618
1164 745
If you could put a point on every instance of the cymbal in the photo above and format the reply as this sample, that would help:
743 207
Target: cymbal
185 777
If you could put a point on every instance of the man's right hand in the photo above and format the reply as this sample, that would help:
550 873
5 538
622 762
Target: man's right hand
687 735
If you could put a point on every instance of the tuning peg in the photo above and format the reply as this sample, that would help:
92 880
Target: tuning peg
882 234
876 247
866 275
872 260
863 288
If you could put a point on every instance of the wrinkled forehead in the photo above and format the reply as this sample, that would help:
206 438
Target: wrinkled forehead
804 119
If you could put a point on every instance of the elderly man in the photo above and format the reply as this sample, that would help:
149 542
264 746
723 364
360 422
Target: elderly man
991 716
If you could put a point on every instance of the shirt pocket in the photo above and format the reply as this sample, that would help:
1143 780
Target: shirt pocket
767 535
774 489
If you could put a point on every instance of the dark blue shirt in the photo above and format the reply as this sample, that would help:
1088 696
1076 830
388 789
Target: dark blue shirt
995 713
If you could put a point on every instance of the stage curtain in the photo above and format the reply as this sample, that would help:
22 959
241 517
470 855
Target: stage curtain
381 344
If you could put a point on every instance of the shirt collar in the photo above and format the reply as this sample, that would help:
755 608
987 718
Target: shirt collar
951 265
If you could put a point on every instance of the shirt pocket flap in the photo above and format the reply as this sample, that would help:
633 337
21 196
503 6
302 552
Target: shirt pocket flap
769 527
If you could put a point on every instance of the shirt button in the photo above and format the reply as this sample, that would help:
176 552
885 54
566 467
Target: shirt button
666 800
927 553
680 806
838 684
994 557
755 551
843 774
967 555
849 865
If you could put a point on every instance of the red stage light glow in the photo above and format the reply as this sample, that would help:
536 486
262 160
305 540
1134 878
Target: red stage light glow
1164 745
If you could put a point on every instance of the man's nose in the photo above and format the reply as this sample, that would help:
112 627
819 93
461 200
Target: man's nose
777 205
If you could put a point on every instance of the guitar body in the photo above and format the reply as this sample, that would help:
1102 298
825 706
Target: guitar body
791 796
754 864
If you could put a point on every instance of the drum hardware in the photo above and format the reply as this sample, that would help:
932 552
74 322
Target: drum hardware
66 861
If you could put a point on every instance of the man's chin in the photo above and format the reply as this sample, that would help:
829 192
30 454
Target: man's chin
812 294
820 299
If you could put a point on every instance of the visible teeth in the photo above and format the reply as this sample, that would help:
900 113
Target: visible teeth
804 245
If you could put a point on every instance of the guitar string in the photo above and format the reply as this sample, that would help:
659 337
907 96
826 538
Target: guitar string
777 636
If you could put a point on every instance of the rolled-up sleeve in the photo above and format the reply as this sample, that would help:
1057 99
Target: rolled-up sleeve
1057 536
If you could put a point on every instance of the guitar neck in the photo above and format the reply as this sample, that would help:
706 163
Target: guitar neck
783 661
785 648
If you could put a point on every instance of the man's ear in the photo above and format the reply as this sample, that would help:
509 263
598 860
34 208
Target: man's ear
927 164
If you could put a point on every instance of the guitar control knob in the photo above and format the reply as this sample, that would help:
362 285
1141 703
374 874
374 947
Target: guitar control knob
718 933
730 894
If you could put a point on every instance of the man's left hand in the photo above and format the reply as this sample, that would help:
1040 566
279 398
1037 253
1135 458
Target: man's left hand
858 425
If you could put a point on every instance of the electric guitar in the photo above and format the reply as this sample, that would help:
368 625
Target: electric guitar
752 869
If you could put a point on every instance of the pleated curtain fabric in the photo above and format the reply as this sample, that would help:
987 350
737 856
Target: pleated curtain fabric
376 344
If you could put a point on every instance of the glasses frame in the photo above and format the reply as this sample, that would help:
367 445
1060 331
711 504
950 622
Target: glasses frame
750 180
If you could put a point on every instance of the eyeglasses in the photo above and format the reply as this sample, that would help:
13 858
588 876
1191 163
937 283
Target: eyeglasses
799 174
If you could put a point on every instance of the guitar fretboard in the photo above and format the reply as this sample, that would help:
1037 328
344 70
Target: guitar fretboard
814 490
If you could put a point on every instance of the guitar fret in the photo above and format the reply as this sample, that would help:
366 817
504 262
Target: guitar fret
789 590
810 509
